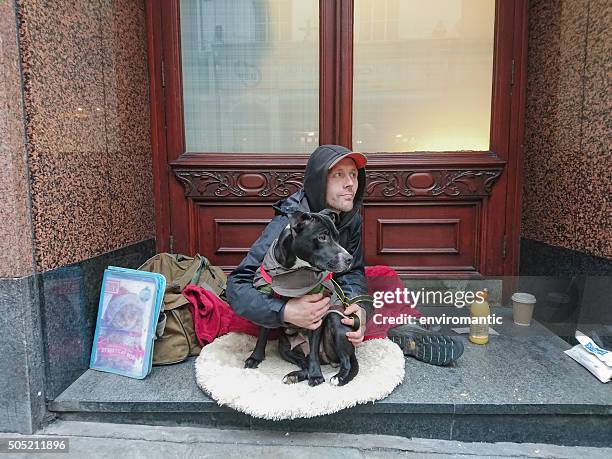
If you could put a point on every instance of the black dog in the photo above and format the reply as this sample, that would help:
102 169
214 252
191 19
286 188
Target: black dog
297 262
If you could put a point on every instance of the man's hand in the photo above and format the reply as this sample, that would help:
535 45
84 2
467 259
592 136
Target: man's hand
306 311
355 337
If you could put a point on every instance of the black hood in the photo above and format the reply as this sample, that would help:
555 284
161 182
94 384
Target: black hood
315 181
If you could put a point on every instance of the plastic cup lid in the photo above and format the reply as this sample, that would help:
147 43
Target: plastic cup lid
523 297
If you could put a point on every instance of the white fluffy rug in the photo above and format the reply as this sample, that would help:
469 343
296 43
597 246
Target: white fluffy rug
261 393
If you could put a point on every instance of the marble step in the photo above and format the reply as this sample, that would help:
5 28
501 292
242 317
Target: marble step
516 388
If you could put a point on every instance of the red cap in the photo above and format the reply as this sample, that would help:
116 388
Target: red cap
360 160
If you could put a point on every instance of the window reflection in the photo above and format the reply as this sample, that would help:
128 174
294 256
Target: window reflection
250 75
422 75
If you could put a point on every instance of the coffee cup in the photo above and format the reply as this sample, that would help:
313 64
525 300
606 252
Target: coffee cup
522 308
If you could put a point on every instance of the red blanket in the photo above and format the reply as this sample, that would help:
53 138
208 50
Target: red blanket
385 279
213 317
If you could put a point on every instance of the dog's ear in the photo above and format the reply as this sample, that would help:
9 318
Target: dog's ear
335 216
297 220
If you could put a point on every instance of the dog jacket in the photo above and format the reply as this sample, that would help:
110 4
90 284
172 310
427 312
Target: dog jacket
292 282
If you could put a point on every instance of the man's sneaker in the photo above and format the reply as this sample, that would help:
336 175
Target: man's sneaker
425 345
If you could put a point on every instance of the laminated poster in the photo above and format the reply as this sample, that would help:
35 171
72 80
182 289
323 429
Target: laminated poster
130 303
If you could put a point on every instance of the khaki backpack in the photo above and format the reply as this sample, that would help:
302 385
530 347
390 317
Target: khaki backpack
175 335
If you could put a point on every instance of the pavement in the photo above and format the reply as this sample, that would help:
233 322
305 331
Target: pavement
101 440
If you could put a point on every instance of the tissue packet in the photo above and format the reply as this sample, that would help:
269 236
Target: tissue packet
602 354
592 357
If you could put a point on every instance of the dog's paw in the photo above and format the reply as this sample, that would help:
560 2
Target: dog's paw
316 380
251 363
295 377
338 381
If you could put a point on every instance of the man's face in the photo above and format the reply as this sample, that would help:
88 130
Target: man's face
341 185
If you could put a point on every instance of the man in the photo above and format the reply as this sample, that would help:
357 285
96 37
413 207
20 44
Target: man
334 179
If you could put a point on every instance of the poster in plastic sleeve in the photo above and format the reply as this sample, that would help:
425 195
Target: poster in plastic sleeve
130 303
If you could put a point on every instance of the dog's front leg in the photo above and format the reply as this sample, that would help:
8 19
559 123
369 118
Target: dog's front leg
315 376
259 354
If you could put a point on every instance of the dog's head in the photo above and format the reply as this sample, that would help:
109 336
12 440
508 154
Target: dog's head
315 240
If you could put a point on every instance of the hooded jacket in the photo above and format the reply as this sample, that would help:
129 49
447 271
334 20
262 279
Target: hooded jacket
267 311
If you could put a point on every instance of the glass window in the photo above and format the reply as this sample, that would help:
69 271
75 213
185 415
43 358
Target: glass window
250 75
422 75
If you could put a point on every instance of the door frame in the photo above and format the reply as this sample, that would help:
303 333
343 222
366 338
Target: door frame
501 246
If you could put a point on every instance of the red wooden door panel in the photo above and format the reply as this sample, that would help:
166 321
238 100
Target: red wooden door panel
225 232
423 237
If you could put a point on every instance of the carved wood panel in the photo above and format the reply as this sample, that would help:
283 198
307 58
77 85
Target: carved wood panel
431 183
387 184
239 184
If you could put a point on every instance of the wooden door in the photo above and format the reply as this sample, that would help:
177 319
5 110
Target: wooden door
425 212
